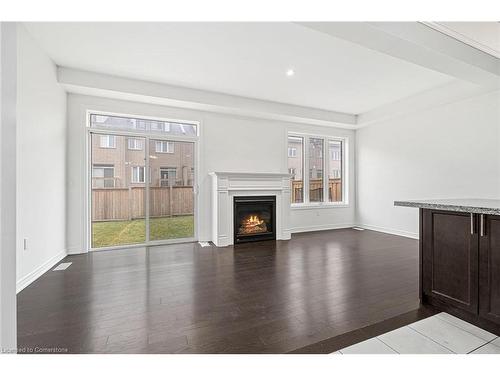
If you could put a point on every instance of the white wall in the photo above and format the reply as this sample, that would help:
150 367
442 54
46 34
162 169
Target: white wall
8 98
41 162
451 151
227 143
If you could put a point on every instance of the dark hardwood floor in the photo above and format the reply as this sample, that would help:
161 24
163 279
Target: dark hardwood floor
263 297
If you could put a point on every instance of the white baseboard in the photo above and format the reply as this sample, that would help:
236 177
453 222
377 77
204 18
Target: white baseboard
320 227
397 232
75 251
39 271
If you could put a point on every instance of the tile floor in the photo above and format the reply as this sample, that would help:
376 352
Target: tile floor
439 334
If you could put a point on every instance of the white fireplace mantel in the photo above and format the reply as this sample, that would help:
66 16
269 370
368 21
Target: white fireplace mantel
227 185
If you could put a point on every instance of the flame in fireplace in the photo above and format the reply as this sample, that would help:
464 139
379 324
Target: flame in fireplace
254 220
252 224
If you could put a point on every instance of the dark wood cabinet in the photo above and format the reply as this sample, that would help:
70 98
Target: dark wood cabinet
450 258
460 264
489 268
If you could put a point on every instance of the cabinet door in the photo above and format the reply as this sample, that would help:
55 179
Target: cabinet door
489 269
450 258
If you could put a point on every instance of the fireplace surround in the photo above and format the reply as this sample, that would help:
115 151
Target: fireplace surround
228 186
254 218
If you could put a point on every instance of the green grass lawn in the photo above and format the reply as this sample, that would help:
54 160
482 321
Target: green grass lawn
113 233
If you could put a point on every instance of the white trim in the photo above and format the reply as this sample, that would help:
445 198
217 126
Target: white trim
172 241
462 38
396 232
326 166
317 228
75 250
250 176
317 205
39 271
9 151
147 187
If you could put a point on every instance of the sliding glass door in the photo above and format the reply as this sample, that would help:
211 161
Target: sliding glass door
117 190
142 188
171 192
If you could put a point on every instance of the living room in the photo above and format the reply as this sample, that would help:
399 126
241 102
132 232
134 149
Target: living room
250 187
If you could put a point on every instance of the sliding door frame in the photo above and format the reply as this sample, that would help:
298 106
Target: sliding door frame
147 136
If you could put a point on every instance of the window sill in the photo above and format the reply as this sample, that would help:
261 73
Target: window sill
313 206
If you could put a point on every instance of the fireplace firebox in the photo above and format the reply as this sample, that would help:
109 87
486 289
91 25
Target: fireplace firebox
254 218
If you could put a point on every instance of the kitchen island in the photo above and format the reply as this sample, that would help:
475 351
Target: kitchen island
460 257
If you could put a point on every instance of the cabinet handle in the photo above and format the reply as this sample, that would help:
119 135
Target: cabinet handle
471 223
482 225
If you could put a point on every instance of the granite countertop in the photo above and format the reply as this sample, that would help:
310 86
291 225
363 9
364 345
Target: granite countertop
476 206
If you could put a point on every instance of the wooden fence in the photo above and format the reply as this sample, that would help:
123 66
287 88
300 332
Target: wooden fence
128 203
316 190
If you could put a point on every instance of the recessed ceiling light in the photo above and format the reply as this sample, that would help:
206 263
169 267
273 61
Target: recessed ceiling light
290 72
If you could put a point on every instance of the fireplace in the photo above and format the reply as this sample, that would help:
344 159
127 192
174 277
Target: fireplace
229 187
254 218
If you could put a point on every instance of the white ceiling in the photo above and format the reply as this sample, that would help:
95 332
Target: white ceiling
245 59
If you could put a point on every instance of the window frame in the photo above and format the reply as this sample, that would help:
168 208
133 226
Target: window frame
103 167
164 132
143 174
135 140
302 163
344 154
170 149
167 169
86 183
108 137
132 174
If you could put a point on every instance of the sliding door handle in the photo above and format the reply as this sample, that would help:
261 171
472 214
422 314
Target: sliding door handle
481 226
471 223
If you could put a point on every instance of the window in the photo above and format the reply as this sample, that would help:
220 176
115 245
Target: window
323 161
335 171
176 128
143 125
315 164
107 141
164 147
103 176
315 173
161 127
135 144
334 153
168 176
295 167
137 176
